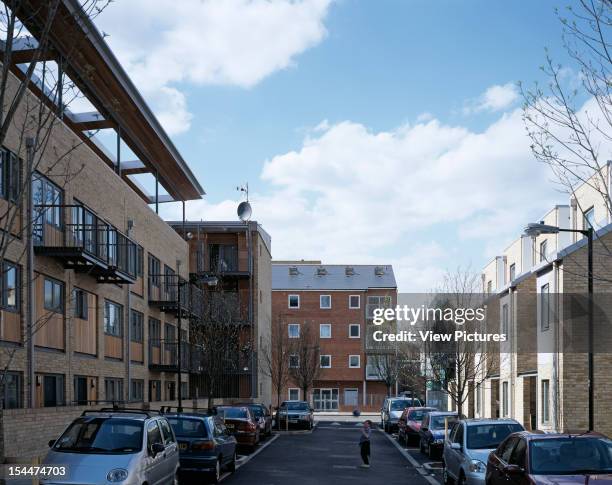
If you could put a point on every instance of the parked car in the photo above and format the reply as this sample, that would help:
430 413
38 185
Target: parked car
116 445
205 445
432 432
409 424
468 445
297 412
392 409
263 416
241 423
532 458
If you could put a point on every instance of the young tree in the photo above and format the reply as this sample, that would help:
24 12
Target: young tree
276 359
307 351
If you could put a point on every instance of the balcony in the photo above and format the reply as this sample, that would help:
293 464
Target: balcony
84 242
163 355
174 294
221 260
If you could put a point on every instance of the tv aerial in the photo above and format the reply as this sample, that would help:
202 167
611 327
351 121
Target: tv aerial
244 208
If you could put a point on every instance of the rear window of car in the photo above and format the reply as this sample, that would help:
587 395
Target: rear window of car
297 406
418 415
188 427
234 413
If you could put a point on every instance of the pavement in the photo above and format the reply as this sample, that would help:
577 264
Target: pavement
330 455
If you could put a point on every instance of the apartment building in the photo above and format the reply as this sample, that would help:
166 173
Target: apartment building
540 375
333 305
90 309
232 260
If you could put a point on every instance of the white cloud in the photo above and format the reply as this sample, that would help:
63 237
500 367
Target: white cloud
163 43
349 194
495 98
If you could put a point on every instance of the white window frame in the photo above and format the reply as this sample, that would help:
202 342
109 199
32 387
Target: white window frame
289 330
325 366
321 302
289 302
358 366
358 302
321 326
293 389
545 397
351 325
298 361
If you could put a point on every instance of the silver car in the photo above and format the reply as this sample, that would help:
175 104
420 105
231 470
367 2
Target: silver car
130 447
468 445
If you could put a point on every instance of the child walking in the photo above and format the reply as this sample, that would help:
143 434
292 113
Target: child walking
364 443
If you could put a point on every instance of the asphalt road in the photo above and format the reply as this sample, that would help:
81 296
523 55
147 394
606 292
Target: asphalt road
329 455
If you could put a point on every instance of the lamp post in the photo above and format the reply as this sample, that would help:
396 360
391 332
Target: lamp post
535 229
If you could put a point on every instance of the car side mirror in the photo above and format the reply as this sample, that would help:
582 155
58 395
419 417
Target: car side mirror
51 443
456 446
157 448
513 470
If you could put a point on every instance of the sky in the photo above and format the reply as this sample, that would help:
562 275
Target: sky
382 132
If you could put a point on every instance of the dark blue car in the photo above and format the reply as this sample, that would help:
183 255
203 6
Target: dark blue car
205 445
433 428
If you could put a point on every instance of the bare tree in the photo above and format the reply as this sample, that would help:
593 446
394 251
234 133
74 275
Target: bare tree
276 359
307 351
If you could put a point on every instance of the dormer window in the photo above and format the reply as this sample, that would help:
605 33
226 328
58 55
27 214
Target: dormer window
321 271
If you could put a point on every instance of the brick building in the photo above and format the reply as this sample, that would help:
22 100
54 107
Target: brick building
333 304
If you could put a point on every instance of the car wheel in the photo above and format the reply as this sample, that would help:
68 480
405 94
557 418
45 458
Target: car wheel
232 464
446 479
429 452
461 480
421 447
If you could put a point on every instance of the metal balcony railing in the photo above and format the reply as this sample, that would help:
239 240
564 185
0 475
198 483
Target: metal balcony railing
163 355
174 294
84 242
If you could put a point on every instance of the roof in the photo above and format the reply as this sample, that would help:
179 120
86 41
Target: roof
308 277
98 75
476 421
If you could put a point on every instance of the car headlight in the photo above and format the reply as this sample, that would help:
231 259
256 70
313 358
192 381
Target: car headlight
477 466
117 475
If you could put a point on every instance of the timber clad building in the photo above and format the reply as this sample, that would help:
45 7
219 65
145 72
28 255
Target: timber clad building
334 305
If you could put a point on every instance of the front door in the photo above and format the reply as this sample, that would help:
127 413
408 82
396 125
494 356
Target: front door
326 399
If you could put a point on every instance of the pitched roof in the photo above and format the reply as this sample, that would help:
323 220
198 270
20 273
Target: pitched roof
331 276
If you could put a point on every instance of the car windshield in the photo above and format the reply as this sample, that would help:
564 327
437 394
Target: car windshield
188 427
571 456
485 436
297 406
257 411
101 435
235 413
417 415
437 422
400 404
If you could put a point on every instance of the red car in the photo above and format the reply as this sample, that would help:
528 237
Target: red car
240 421
543 459
409 424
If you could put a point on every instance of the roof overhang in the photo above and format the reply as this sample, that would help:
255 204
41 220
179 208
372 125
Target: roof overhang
95 70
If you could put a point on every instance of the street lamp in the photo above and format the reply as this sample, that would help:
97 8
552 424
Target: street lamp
534 230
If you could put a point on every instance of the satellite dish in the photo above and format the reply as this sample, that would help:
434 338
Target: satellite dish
244 211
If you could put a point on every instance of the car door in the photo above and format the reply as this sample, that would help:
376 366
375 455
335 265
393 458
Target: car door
453 458
171 458
499 460
155 463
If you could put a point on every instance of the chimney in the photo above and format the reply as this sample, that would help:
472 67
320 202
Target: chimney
293 271
321 271
379 271
349 271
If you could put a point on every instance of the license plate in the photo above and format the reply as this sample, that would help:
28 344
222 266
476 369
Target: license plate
182 446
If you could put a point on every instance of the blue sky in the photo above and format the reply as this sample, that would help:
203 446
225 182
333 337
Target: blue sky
353 121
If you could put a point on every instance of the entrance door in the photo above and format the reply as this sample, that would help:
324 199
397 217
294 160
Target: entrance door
351 397
80 390
325 399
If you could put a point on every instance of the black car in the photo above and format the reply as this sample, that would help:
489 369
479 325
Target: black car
432 432
205 445
297 413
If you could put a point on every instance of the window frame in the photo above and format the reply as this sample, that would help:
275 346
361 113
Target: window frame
351 307
293 389
108 304
297 361
133 327
358 366
352 325
4 288
543 248
289 327
505 320
512 272
545 307
321 307
545 398
59 306
80 305
321 361
321 327
289 302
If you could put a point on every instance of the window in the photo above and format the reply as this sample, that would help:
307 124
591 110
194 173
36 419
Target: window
543 250
518 454
325 361
375 302
294 394
505 317
170 333
153 435
10 286
170 391
325 330
167 432
113 318
10 176
113 388
154 332
505 397
79 304
170 282
137 390
54 295
81 390
545 307
588 219
354 301
11 391
512 272
325 302
458 438
294 330
489 287
53 389
154 271
139 261
545 401
354 330
47 199
294 301
294 361
223 257
154 391
136 326
478 397
354 361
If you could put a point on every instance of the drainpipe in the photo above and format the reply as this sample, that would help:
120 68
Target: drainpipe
128 359
555 376
251 323
30 276
513 355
